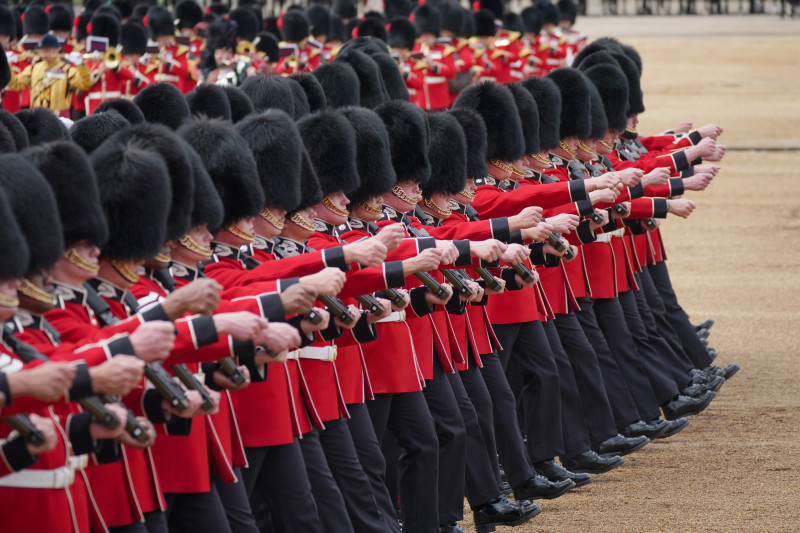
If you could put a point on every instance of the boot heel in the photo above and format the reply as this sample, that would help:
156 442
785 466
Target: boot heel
484 529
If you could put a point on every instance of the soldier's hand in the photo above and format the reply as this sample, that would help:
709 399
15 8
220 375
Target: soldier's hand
704 149
152 341
48 429
630 177
433 300
427 260
406 300
627 206
222 380
198 297
279 337
594 225
682 127
658 176
355 312
297 299
527 218
609 180
449 251
100 432
386 308
574 253
539 233
215 397
523 283
130 442
391 235
681 207
563 223
488 250
710 130
328 281
647 228
603 196
515 253
719 153
477 291
117 376
195 404
47 382
501 282
698 182
549 249
308 327
369 252
707 168
241 325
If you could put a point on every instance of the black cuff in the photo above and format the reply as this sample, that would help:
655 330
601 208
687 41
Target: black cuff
585 233
695 137
551 260
81 385
537 253
688 173
511 282
284 284
393 274
306 338
155 312
334 257
515 237
418 302
4 388
676 186
660 208
16 454
423 243
636 192
364 331
634 225
500 229
205 332
151 405
584 207
79 434
577 190
612 224
455 306
698 161
178 426
331 332
464 257
208 371
272 307
120 346
107 451
680 160
258 372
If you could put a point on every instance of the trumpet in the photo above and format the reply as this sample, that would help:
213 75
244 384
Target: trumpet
111 57
245 48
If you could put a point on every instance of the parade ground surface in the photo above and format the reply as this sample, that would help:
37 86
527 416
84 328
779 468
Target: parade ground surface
736 468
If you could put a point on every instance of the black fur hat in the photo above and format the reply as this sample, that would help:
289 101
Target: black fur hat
159 22
531 22
268 44
606 44
513 22
135 196
366 44
397 8
447 155
60 17
340 83
495 104
548 102
475 133
634 56
453 16
209 100
15 128
124 107
268 91
206 205
373 155
13 248
567 10
163 103
409 138
246 20
597 114
277 149
7 144
345 9
319 20
574 89
371 27
310 190
172 150
294 26
90 132
315 95
299 99
133 37
612 86
104 25
188 14
330 141
231 166
373 92
609 56
337 29
218 8
34 207
125 8
392 79
35 21
402 34
484 23
495 7
109 9
427 19
68 171
548 13
8 25
241 105
528 115
42 125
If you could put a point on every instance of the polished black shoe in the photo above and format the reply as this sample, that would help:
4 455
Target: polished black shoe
505 488
704 342
503 512
538 487
674 426
730 370
621 445
713 371
696 390
555 472
703 333
705 324
686 406
592 463
640 428
452 528
712 353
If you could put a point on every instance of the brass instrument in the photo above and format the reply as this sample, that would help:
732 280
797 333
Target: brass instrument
245 48
111 58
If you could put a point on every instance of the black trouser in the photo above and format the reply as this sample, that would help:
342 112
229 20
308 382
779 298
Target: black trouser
619 394
371 458
236 504
154 522
533 376
597 412
195 511
611 320
573 426
330 502
277 477
407 416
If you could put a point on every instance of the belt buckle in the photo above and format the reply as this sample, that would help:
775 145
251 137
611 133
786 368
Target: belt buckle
335 350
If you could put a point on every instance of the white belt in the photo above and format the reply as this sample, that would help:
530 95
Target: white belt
79 462
603 237
100 95
294 354
320 353
394 316
60 478
551 61
166 77
435 79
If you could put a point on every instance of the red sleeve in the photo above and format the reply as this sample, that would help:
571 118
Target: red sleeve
492 202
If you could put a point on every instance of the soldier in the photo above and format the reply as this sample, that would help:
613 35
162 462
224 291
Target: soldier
109 76
133 39
437 64
175 62
188 14
34 26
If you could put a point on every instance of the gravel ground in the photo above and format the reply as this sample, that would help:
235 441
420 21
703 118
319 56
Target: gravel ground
736 259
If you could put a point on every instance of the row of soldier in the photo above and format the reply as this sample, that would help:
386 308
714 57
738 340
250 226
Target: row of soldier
373 311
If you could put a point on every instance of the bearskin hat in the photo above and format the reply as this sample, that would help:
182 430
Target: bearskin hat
310 190
15 128
90 132
294 26
373 156
277 149
612 87
209 100
159 22
246 23
299 99
60 17
548 13
475 133
163 103
268 91
345 9
567 10
618 59
606 44
484 24
68 171
268 45
597 113
528 115
241 105
124 107
366 44
453 16
108 9
495 7
230 165
340 83
373 92
13 248
495 104
372 28
107 26
35 21
42 125
7 144
337 30
402 34
427 19
315 95
392 79
8 25
319 20
206 204
409 138
397 8
531 22
135 195
34 207
574 89
188 14
331 144
513 22
133 38
447 155
548 102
